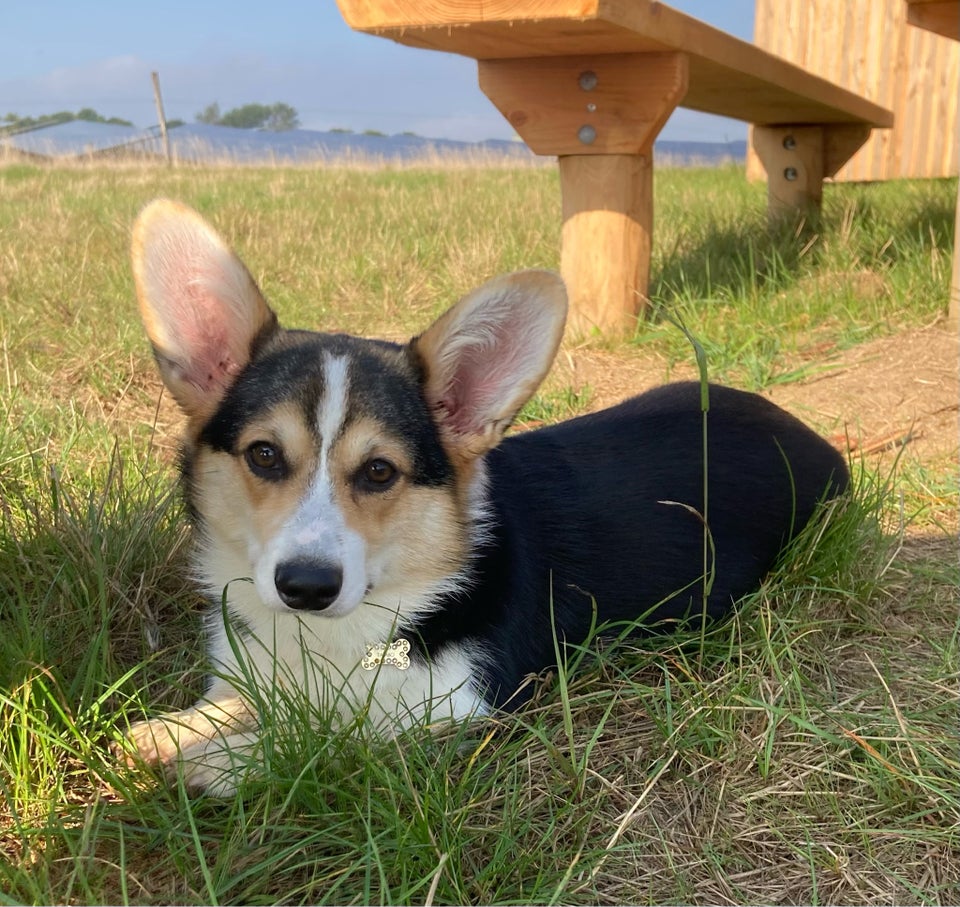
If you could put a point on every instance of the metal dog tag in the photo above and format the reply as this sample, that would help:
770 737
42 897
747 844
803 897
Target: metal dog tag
396 655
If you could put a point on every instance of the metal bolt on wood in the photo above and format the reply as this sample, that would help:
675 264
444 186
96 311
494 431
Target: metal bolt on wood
587 135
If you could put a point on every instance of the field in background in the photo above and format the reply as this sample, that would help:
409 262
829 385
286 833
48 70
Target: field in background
803 752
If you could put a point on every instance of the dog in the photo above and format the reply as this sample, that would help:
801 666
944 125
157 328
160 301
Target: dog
365 531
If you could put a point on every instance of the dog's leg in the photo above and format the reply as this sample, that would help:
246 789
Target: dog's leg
164 740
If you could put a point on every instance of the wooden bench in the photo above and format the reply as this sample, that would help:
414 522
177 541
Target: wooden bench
594 81
943 17
940 16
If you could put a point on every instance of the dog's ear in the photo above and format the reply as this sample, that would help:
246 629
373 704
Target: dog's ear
486 356
201 308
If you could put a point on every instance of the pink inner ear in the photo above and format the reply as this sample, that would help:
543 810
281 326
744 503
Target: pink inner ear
486 374
209 356
205 309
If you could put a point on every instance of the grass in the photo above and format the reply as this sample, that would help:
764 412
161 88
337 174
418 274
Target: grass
804 751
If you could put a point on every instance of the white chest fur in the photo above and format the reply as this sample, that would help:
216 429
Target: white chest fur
339 664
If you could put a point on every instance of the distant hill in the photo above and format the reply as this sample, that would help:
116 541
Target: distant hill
692 153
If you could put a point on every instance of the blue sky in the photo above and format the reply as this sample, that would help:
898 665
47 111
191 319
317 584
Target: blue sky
60 55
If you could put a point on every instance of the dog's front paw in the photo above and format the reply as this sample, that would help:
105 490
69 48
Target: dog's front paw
197 741
214 767
154 742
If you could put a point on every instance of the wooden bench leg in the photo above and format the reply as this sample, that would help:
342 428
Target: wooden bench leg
798 159
793 159
607 229
600 115
953 313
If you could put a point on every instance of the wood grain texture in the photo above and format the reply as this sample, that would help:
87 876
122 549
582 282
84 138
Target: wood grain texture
793 158
607 235
954 311
611 104
869 47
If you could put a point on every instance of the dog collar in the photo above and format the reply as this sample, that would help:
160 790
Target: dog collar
396 654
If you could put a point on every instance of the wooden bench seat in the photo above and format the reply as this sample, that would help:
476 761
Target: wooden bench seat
940 16
594 81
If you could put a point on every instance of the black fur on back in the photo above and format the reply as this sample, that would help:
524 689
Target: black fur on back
607 508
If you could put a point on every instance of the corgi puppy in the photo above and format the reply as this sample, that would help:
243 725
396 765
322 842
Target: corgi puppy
364 530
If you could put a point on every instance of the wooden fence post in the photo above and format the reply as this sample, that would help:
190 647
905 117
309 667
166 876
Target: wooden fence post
161 116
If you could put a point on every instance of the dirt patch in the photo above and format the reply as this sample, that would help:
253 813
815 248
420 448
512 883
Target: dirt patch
900 390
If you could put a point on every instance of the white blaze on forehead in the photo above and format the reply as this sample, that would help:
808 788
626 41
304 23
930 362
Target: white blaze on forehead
318 517
333 406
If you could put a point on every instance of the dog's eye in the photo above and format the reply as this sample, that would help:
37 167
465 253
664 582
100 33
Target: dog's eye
377 474
265 460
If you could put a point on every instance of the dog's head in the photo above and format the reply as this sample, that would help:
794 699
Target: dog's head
332 469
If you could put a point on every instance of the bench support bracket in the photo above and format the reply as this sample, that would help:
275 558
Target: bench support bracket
798 158
600 115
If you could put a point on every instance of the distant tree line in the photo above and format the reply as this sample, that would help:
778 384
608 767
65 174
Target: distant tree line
340 130
277 117
13 122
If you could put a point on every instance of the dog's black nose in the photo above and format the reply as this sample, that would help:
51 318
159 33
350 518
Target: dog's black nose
308 586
